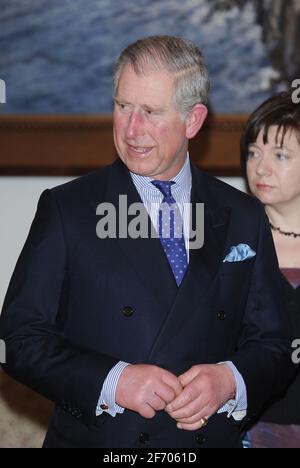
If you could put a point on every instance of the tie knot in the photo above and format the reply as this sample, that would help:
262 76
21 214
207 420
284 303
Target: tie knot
165 188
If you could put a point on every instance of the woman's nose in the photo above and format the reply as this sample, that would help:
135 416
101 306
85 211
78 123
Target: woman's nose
264 167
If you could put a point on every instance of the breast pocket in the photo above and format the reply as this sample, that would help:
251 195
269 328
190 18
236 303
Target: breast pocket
237 268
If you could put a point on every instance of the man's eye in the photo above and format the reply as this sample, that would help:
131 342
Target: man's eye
123 107
153 112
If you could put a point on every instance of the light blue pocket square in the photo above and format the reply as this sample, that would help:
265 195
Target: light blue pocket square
239 253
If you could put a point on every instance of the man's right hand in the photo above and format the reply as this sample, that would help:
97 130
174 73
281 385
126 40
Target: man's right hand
146 389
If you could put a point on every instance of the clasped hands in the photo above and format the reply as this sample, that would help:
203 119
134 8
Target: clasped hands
189 399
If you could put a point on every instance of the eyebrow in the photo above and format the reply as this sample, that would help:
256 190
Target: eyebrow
273 147
155 108
282 147
152 107
253 144
121 101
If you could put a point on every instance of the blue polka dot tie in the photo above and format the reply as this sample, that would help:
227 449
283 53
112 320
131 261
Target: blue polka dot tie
170 230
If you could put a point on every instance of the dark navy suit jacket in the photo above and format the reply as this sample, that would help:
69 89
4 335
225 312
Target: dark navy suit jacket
76 305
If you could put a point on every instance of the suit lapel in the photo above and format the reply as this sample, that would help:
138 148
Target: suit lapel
204 263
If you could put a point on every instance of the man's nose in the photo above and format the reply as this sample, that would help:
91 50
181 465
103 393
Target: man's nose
135 125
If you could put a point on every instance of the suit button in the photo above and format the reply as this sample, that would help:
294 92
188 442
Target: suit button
144 437
128 311
222 315
200 439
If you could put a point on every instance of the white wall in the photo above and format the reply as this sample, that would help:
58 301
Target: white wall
18 201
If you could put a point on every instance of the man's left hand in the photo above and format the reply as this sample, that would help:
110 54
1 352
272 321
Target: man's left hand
206 388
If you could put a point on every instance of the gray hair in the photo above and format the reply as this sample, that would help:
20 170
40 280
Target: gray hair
176 55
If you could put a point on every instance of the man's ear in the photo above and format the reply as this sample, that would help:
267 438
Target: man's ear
195 120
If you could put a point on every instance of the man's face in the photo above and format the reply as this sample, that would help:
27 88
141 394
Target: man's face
149 132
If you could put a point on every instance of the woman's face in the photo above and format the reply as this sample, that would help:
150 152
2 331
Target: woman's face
273 170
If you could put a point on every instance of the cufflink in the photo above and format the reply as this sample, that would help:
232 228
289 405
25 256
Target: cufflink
104 406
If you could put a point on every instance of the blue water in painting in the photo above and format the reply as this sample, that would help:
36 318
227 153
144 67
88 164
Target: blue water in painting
56 56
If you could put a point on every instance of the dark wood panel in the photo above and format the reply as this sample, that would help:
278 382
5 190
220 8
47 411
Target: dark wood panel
73 145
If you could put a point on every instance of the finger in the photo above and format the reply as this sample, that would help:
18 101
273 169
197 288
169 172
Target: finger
187 411
194 418
173 382
146 411
191 427
165 392
157 403
185 398
189 375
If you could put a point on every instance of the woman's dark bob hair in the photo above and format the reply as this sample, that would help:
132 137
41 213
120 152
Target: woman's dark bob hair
278 111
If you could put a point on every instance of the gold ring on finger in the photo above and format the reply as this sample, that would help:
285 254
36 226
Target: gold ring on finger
204 421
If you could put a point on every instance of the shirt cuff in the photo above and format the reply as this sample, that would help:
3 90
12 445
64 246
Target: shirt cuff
237 408
107 400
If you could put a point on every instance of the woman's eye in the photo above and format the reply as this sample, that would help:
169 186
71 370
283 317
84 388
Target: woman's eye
252 154
281 157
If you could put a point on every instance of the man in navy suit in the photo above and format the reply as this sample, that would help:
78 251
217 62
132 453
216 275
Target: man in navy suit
149 341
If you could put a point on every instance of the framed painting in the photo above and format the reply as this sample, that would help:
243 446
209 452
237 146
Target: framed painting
56 66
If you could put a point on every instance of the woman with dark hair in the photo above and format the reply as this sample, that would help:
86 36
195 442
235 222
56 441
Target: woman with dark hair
270 156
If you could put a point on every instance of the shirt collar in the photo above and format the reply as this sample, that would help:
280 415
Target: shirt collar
182 179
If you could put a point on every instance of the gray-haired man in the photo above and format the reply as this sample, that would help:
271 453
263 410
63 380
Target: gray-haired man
146 342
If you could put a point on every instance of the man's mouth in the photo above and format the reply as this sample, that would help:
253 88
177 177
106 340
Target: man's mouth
140 149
